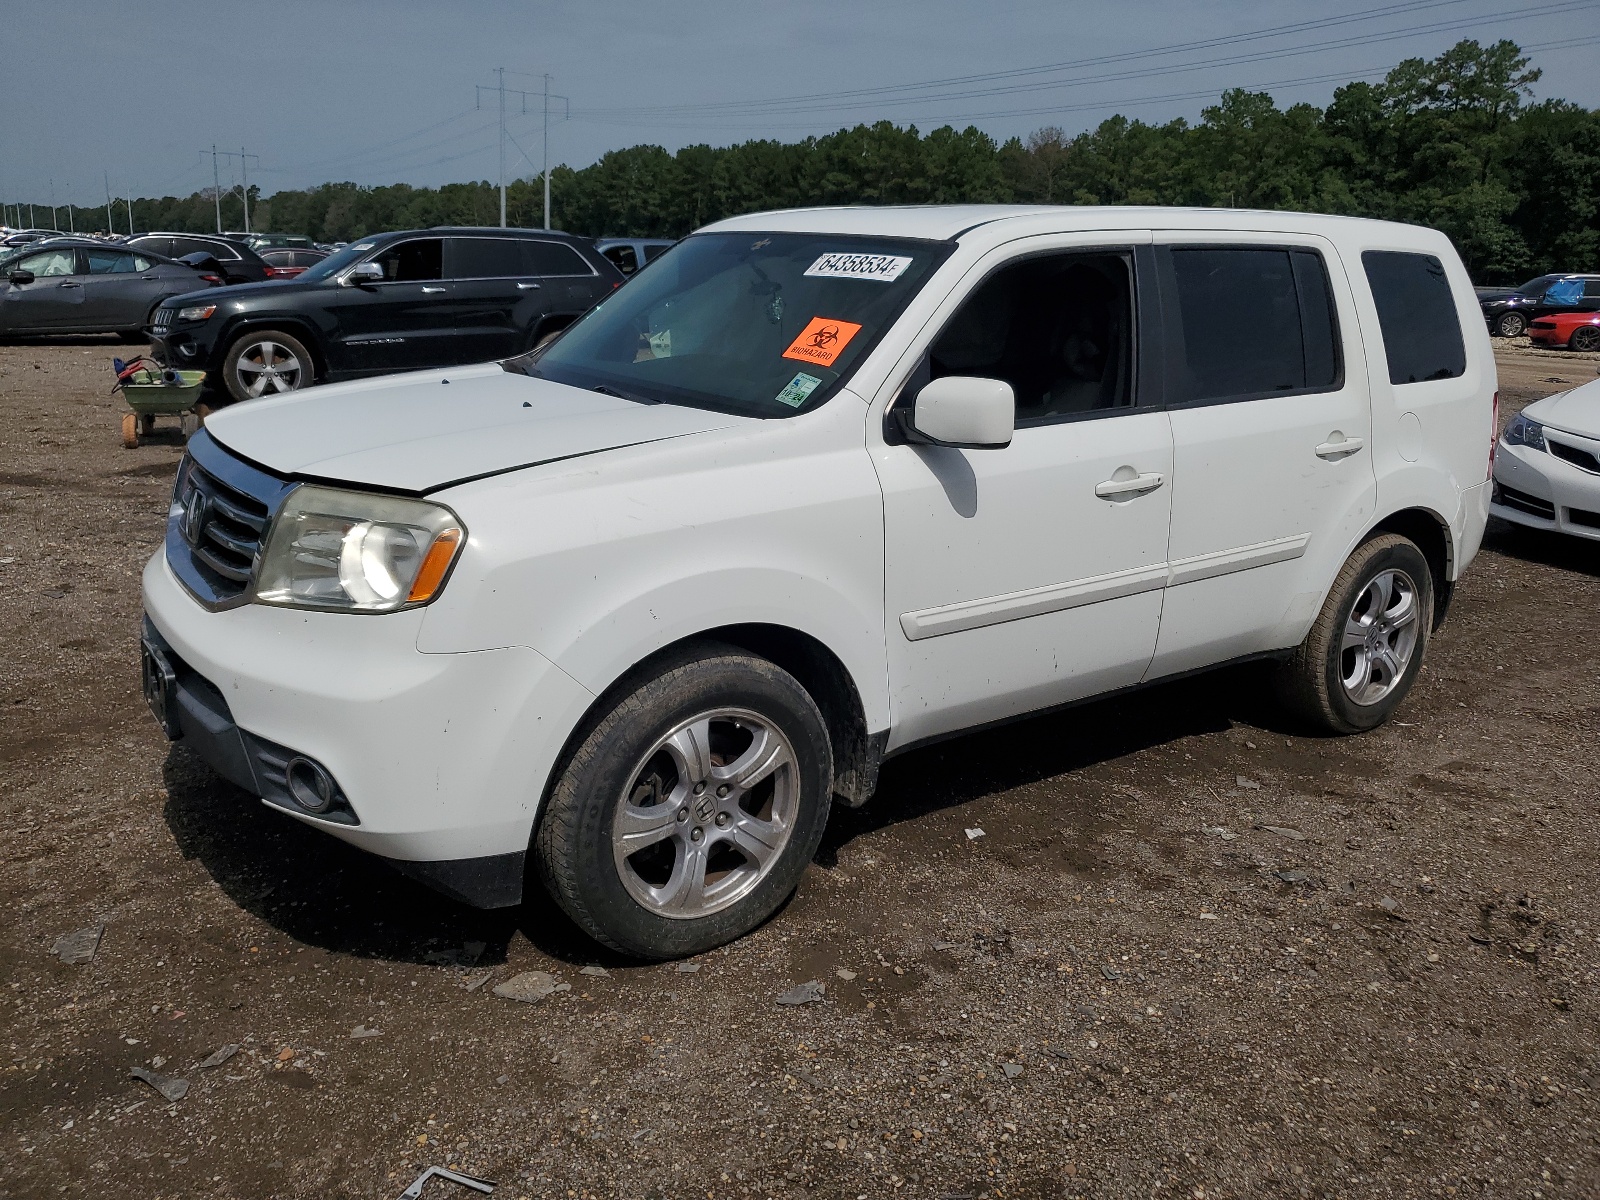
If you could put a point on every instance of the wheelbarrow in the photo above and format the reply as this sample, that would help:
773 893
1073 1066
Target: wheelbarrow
153 391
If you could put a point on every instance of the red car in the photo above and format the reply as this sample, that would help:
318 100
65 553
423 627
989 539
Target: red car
287 263
1576 331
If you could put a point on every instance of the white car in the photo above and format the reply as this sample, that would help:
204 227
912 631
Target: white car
1547 465
632 611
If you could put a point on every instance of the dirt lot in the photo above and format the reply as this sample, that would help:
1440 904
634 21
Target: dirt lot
1194 955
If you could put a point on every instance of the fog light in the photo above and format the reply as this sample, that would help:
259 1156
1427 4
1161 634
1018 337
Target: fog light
310 785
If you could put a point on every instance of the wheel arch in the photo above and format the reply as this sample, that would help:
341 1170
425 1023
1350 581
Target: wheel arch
298 326
1431 534
857 752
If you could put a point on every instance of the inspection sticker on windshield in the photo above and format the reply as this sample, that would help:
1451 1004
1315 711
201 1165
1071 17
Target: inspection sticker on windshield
822 341
797 389
885 268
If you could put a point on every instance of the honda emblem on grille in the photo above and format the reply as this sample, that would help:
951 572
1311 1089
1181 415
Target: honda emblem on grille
195 512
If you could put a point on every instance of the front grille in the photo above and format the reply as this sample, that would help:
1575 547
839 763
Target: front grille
1522 502
1582 516
220 509
163 320
1581 459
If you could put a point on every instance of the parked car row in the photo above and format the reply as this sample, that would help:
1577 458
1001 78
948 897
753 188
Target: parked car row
1511 312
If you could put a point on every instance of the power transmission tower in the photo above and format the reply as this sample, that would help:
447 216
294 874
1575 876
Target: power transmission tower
546 169
106 175
501 90
216 181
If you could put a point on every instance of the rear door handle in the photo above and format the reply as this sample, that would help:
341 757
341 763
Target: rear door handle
527 287
428 291
1332 450
1136 486
77 285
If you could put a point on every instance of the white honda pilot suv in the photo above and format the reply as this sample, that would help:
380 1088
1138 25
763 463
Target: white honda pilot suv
630 612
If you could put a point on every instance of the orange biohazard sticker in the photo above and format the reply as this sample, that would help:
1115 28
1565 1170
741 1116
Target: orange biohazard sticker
822 341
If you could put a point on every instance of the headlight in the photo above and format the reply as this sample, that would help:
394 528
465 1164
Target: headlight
198 312
357 552
1523 432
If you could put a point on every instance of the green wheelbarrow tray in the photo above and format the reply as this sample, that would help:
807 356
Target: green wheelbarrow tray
148 396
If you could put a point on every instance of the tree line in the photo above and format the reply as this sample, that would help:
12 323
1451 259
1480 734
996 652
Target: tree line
1453 142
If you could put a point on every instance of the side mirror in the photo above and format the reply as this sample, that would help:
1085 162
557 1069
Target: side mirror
963 411
21 277
362 274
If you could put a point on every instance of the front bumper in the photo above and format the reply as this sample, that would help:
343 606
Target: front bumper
182 347
441 759
1537 489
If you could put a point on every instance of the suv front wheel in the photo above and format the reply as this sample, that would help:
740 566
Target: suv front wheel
1365 650
689 812
266 362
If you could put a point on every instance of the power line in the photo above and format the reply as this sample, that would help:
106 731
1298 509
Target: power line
829 102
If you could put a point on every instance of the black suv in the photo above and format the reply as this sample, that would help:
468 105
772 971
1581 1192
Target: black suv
391 302
239 263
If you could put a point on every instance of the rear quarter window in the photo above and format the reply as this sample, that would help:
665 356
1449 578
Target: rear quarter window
1417 313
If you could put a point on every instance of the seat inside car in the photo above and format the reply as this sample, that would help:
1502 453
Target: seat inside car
1056 328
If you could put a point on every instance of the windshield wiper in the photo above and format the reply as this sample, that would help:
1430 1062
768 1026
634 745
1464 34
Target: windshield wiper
611 391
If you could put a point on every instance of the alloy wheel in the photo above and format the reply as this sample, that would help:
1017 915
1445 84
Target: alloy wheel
707 814
267 368
1380 636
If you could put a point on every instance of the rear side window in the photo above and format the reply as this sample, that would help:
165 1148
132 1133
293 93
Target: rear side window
1421 330
1255 322
552 258
410 262
482 258
114 262
651 253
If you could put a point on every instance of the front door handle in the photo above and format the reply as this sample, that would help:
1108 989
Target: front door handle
76 285
527 287
1331 449
428 291
1137 486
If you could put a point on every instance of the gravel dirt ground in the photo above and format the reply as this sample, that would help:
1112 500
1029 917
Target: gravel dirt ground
1193 953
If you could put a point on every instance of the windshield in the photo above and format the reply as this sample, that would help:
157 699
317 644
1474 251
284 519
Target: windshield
335 263
760 324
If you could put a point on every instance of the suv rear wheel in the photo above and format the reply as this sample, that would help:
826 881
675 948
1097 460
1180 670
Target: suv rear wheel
689 812
266 362
1363 654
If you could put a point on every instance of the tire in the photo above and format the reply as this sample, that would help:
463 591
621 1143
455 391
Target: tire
1511 324
266 362
130 431
711 706
1339 684
1585 339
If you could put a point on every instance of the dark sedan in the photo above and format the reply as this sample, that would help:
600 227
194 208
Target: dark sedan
90 288
239 263
390 302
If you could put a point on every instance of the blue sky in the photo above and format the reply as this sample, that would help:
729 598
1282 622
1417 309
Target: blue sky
383 92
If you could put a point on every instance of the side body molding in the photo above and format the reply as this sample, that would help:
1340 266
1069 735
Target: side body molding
1014 606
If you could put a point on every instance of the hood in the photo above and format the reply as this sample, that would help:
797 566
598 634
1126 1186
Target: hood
425 430
1577 411
1488 295
237 291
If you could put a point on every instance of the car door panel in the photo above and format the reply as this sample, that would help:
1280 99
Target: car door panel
54 298
496 303
118 296
1016 578
1267 492
401 323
